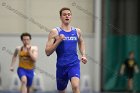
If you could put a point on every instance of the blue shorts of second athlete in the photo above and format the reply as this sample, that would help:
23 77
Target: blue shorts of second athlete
28 73
63 75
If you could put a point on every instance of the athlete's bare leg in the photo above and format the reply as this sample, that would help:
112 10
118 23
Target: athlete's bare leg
75 84
28 89
23 84
130 84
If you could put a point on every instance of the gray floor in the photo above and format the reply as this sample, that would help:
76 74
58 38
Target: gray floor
86 91
56 92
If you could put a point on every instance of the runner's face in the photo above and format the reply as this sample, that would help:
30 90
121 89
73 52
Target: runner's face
132 56
66 17
26 40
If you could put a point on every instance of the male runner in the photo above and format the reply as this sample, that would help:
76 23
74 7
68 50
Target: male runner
64 40
27 57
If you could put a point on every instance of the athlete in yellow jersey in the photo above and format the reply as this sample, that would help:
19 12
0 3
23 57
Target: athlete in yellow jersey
27 57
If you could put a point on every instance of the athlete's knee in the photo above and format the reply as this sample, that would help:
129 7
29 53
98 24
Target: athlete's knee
24 80
75 84
75 87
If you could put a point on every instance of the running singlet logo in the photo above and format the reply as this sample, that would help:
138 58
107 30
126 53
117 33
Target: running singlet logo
70 38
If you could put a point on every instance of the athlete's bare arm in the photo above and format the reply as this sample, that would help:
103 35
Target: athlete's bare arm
122 69
81 46
53 41
136 69
33 52
14 59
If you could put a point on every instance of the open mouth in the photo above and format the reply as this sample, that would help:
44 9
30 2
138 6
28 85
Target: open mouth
67 19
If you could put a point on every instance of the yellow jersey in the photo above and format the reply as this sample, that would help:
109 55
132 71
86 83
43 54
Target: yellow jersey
25 60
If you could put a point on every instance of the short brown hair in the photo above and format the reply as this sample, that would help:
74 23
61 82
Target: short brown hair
131 52
25 34
62 9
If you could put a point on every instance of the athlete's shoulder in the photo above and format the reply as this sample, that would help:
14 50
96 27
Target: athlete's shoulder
18 47
54 31
126 60
34 47
77 29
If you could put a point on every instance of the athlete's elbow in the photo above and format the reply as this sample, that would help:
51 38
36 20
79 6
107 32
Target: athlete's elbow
47 52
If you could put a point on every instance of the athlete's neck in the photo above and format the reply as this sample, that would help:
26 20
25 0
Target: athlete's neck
26 46
66 28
